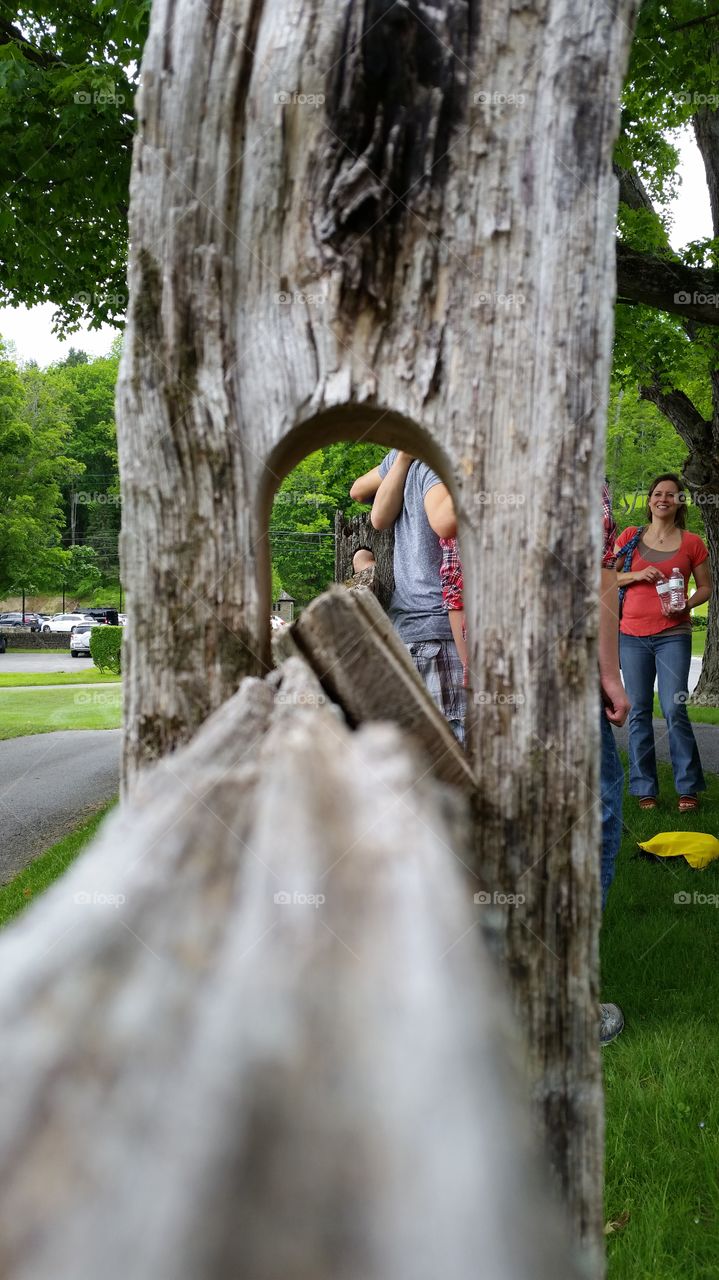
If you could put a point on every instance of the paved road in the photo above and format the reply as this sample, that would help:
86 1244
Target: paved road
49 783
36 661
707 736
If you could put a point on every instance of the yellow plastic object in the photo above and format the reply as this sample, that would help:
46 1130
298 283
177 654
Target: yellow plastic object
697 847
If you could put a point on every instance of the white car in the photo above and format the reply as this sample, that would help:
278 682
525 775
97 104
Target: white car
80 638
64 622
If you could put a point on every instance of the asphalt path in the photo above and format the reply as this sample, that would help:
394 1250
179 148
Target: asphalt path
49 784
39 663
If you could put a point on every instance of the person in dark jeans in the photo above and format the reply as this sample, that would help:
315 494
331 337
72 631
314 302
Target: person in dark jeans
614 711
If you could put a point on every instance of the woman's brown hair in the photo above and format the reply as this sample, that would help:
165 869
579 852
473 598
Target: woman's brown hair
680 519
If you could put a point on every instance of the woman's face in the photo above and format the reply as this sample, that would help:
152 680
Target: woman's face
664 500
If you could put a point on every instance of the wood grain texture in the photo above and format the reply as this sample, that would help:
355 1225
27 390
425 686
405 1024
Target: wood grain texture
470 323
253 1030
352 647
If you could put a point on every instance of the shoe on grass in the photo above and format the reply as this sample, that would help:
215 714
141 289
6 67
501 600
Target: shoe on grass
647 802
611 1023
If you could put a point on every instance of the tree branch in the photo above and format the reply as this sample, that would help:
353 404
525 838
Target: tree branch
685 417
10 35
689 292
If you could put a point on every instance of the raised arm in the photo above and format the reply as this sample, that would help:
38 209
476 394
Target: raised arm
390 495
439 507
366 486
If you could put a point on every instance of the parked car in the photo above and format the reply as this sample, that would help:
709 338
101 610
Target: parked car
18 619
80 638
104 613
64 622
11 620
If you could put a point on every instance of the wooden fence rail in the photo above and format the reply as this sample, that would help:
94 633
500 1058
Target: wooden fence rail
253 1031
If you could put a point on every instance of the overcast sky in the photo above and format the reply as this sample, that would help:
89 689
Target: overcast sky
31 329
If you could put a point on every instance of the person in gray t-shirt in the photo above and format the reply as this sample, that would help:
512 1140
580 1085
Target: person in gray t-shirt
410 496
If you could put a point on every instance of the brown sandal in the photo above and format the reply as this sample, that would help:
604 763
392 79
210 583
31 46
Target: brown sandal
688 804
647 802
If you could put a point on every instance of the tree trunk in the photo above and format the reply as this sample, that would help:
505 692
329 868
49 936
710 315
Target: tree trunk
359 220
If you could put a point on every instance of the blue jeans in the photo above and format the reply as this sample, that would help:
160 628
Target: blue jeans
611 784
667 656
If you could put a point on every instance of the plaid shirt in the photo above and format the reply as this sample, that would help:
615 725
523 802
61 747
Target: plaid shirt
450 575
610 529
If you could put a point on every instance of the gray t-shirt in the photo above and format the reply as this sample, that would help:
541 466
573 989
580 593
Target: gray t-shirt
416 608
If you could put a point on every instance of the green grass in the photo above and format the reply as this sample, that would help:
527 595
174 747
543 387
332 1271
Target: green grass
16 650
16 895
16 679
699 636
659 962
24 711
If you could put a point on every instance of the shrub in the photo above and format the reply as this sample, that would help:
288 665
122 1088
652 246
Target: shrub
105 648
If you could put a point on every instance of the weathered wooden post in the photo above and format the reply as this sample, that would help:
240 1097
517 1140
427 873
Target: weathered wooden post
358 532
394 222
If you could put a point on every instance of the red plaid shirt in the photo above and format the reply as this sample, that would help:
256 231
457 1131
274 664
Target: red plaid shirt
610 529
450 575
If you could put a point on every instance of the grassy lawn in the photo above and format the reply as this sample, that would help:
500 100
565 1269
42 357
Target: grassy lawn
46 710
659 962
17 679
29 883
14 649
698 641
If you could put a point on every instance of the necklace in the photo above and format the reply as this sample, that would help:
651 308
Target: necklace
661 536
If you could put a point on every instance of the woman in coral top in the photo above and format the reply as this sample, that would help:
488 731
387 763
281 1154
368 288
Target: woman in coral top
653 644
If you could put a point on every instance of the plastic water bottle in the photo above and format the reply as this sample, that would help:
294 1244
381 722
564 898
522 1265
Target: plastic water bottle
663 593
676 591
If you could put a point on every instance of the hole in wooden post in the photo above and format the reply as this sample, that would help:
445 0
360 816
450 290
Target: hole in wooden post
308 479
